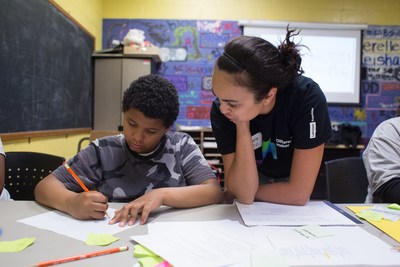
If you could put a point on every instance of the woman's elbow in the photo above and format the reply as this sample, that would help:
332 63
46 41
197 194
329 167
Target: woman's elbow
247 200
246 196
301 200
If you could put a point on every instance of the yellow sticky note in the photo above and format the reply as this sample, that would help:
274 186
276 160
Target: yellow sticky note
100 239
389 227
370 215
16 245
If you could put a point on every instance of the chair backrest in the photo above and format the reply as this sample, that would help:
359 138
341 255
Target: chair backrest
346 180
23 170
94 134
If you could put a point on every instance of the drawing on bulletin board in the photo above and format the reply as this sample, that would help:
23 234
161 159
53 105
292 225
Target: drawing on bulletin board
45 69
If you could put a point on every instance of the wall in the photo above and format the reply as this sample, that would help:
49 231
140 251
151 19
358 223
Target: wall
381 76
384 12
90 12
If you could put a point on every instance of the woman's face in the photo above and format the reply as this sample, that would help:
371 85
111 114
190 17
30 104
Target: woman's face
238 104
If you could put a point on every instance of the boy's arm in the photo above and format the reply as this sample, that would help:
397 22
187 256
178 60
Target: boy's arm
207 193
86 205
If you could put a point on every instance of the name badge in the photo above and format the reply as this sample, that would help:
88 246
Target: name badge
257 140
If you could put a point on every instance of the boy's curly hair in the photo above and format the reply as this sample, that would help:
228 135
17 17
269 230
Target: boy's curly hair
155 97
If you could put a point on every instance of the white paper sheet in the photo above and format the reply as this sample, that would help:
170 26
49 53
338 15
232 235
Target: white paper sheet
64 224
313 213
227 243
343 246
211 243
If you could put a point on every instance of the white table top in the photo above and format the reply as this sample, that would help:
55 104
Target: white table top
49 245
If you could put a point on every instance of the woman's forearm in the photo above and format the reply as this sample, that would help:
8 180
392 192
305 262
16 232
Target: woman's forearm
242 175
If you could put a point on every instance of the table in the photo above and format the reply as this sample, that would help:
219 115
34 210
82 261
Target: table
49 245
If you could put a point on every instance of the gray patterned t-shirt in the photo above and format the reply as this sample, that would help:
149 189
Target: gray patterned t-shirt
109 166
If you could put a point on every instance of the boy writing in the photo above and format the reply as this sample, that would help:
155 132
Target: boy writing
147 166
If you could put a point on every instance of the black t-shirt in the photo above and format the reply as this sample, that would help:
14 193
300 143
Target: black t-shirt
299 119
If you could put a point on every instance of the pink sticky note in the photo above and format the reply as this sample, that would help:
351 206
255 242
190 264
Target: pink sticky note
163 264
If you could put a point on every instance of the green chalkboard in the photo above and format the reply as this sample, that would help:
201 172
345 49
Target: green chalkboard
46 70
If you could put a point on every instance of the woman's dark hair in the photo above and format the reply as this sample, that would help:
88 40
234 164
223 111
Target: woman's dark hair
259 65
155 97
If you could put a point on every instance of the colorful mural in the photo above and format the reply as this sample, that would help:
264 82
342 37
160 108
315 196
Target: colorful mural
189 49
381 81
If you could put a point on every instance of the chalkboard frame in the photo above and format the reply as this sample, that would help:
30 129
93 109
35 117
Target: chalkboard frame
79 117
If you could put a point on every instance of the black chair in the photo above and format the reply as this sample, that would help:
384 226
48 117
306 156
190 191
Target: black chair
346 180
23 170
94 134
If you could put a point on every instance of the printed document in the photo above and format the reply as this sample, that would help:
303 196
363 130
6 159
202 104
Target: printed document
313 213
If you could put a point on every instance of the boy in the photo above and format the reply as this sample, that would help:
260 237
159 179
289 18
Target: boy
147 166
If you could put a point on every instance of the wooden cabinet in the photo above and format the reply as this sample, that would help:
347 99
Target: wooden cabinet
113 73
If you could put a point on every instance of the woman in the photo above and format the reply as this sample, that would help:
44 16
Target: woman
270 122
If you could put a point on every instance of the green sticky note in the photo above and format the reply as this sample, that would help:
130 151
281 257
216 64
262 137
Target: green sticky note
100 239
394 206
370 215
150 261
313 231
146 257
16 245
141 251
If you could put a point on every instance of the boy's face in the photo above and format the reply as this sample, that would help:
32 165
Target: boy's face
142 134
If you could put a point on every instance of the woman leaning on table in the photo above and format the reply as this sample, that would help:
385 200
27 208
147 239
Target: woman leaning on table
270 122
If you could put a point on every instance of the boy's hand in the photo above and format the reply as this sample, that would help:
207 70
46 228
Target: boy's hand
141 206
88 205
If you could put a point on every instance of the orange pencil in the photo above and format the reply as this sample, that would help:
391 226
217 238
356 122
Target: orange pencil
76 177
81 257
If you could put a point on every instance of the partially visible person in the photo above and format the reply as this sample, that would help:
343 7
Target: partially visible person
146 166
382 163
270 122
4 195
